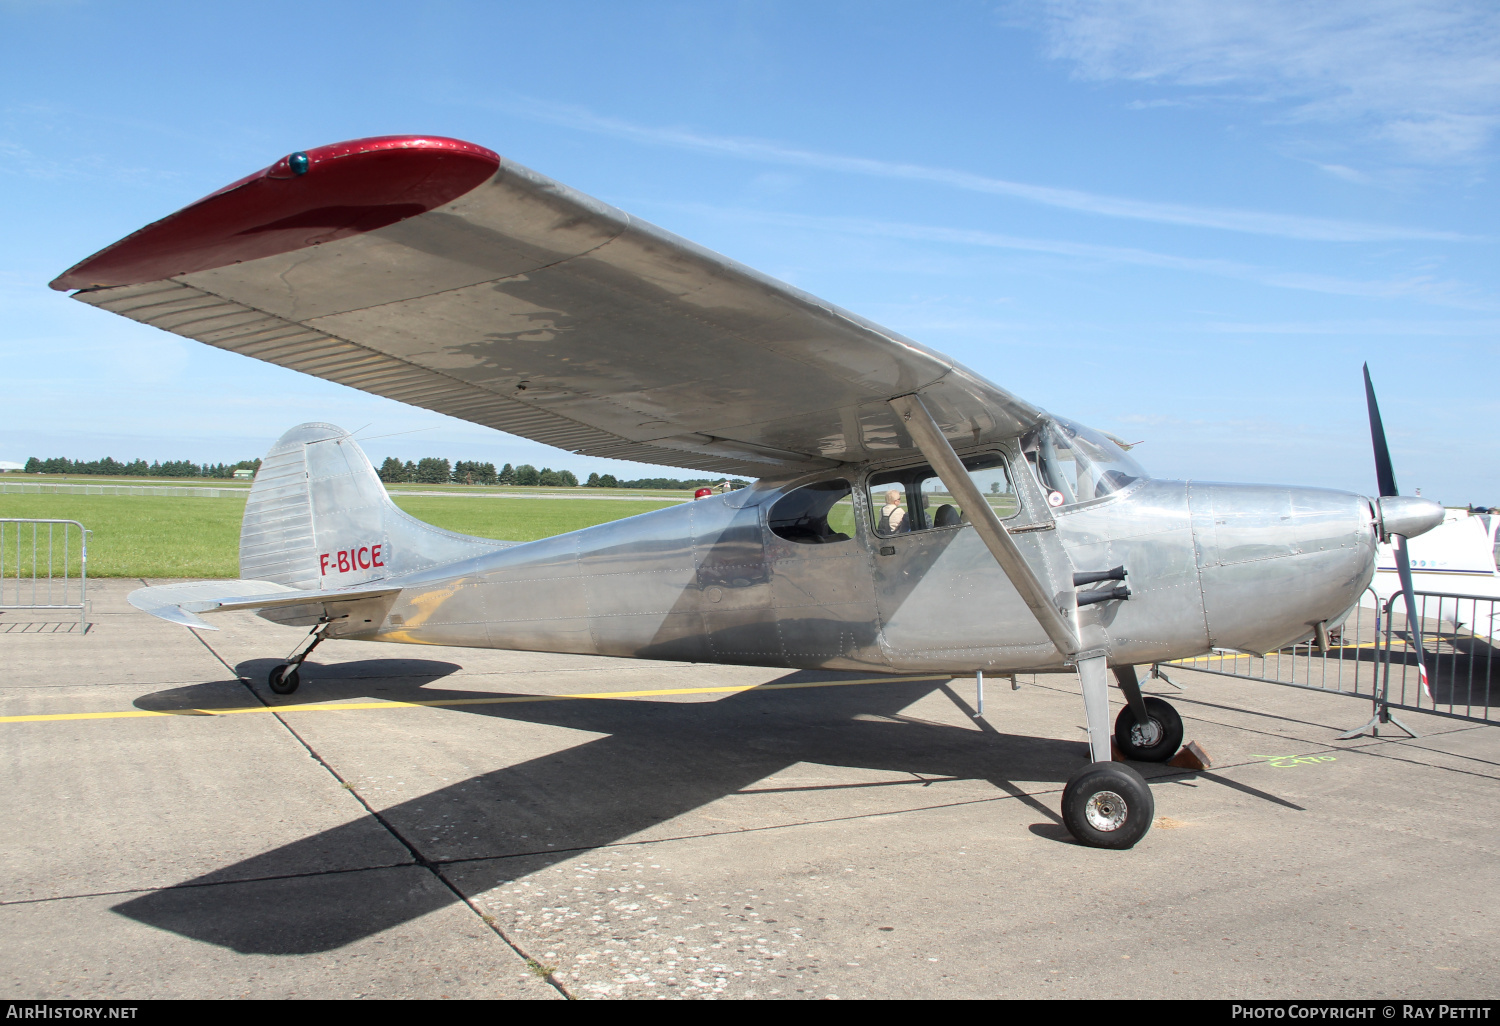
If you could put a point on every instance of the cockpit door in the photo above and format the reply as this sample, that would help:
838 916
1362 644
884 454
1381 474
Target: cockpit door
822 598
942 599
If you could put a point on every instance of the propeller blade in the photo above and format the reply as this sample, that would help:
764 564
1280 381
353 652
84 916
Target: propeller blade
1384 475
1413 620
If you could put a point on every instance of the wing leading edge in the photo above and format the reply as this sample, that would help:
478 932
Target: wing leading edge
397 266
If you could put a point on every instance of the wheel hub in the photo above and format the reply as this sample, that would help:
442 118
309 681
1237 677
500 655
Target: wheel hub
1145 735
1106 811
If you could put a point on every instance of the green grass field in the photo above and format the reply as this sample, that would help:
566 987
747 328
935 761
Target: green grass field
145 537
138 536
520 519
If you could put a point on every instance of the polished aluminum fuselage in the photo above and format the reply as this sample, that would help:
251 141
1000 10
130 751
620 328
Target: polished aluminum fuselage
1244 567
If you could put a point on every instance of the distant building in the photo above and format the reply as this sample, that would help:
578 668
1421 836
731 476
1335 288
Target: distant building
7 467
244 475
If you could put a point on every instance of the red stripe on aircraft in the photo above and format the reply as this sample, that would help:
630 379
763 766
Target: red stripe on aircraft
348 188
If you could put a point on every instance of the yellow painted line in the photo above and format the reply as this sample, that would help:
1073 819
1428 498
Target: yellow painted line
441 703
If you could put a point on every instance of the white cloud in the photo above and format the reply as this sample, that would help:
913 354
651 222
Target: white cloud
1417 287
1420 76
1348 174
1248 221
16 159
1485 329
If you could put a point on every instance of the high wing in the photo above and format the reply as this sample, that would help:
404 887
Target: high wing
433 272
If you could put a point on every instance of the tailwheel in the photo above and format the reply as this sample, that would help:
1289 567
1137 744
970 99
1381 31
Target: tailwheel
1108 805
284 679
1157 740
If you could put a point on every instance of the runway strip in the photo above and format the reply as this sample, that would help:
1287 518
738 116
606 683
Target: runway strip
547 495
131 714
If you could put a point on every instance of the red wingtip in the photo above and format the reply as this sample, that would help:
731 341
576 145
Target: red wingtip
340 190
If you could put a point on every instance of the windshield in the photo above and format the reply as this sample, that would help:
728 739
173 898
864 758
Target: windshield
1075 464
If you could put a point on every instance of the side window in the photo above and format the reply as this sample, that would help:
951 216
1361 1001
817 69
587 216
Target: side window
992 479
915 498
889 509
815 514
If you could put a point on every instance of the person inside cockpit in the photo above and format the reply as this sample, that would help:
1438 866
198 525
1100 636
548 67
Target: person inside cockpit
892 517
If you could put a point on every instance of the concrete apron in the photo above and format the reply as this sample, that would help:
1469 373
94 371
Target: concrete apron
864 840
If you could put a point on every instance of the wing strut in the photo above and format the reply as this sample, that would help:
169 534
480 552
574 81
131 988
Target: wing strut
929 438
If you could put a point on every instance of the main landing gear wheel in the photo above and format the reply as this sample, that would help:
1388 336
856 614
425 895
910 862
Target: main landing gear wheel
1155 741
284 679
1108 805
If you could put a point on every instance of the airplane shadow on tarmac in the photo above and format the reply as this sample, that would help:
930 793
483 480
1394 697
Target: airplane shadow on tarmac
659 760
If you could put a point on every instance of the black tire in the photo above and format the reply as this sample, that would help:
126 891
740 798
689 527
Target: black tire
1108 805
284 679
1163 720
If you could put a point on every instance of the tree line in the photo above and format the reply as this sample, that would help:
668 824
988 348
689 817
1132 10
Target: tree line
609 481
137 468
392 471
441 471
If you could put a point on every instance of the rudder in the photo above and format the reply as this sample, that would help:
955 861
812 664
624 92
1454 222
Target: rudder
318 518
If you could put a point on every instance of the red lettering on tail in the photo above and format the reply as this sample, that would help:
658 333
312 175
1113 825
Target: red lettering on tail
347 560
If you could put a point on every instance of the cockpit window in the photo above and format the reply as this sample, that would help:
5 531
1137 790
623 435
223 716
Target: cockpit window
1075 464
815 514
915 498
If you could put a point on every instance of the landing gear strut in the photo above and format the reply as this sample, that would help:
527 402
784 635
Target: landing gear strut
285 679
1108 804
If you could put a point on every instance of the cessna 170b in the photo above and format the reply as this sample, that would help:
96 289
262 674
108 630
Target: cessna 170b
908 514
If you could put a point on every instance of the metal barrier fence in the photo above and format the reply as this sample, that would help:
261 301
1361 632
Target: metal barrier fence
44 565
1454 671
1350 666
1448 669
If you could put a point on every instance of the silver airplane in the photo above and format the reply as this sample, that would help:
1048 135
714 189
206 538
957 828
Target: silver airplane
908 515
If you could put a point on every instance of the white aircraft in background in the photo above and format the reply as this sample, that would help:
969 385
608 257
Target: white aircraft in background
1455 558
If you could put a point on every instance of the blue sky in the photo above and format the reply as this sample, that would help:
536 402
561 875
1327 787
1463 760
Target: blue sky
1185 223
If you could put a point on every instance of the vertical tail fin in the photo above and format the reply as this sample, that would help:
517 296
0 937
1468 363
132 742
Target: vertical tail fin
318 518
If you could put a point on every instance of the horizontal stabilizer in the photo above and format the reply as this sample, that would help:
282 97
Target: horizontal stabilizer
180 603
